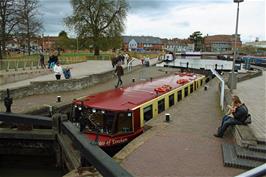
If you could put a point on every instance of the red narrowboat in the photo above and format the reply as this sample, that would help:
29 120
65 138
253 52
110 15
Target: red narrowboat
115 117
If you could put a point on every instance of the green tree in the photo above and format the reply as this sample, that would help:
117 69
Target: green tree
8 22
96 20
63 42
29 24
197 39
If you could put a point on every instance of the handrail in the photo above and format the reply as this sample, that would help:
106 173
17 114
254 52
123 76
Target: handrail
129 65
255 172
222 87
29 64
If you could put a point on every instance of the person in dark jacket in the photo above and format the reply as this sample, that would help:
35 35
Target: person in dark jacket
239 113
119 72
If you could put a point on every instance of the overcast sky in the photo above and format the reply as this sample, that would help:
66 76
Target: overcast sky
174 18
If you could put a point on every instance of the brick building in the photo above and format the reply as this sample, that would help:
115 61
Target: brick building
219 43
142 43
178 45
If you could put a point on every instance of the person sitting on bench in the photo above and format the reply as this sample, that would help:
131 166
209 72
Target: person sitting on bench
239 115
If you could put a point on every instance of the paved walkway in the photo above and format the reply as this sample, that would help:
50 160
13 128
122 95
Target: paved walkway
78 70
185 146
253 93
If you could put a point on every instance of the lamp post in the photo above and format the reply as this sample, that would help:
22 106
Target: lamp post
233 76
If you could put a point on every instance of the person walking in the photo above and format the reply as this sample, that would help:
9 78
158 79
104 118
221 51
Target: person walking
119 72
42 60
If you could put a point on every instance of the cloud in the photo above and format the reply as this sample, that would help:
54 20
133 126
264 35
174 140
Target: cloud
174 18
53 14
215 17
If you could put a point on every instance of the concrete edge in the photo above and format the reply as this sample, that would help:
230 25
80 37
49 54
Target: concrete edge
44 87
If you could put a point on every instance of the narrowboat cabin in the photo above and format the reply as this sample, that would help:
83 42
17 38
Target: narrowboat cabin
115 117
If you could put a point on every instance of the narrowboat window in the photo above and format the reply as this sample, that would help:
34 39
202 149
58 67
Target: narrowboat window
76 113
201 82
148 113
123 122
109 122
171 100
96 121
179 95
191 88
186 91
161 106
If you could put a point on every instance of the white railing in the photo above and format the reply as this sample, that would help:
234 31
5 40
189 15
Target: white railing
255 172
222 87
129 65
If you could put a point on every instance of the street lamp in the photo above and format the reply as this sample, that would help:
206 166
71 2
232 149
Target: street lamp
233 76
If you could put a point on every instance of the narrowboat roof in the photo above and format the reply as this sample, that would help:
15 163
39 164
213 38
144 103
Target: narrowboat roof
127 98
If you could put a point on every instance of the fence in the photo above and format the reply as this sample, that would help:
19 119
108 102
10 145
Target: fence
26 64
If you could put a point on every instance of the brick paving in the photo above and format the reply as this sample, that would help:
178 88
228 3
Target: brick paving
185 146
253 93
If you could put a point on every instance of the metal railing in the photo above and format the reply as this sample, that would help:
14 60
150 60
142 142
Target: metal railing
29 64
222 87
129 65
255 172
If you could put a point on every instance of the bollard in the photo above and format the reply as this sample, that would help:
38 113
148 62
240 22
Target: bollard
205 87
167 117
151 79
50 111
8 101
133 80
58 98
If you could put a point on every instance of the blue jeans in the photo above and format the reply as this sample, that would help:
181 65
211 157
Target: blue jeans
226 122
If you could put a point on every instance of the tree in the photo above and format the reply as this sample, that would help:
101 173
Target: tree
63 42
29 23
98 19
197 39
8 21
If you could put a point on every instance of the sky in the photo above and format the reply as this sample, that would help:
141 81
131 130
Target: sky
173 18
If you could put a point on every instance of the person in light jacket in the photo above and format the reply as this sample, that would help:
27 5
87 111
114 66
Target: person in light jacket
58 71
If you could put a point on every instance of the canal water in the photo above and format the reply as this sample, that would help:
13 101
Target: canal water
28 166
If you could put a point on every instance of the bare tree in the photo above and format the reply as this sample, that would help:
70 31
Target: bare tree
8 21
98 19
29 23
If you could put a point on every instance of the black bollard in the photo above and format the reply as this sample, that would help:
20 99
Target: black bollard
167 117
151 79
216 66
133 80
8 101
58 98
187 64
